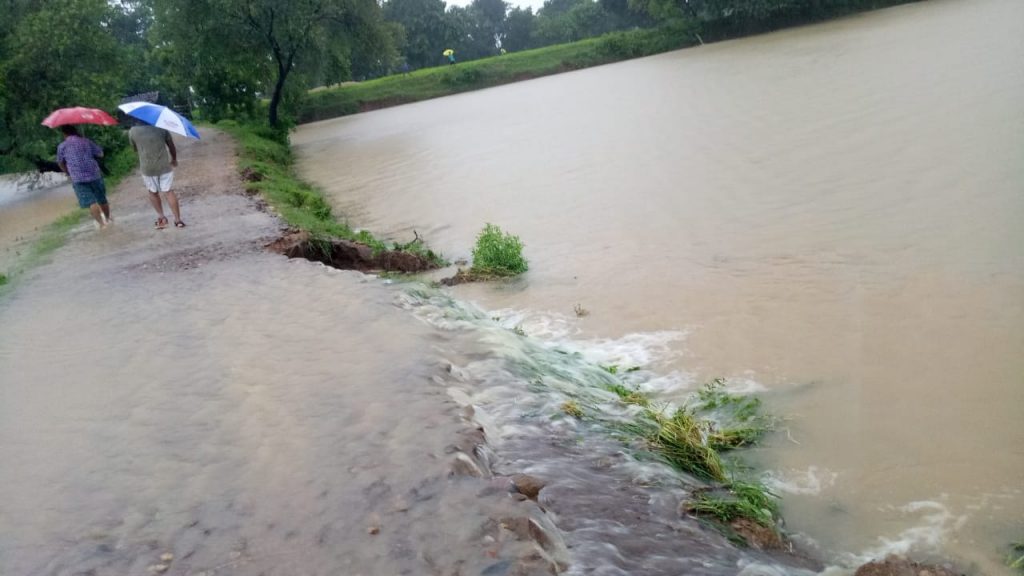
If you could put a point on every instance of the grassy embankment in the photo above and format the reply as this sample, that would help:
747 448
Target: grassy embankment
474 75
267 164
512 67
119 164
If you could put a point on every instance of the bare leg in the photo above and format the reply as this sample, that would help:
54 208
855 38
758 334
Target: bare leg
154 199
97 215
105 208
172 201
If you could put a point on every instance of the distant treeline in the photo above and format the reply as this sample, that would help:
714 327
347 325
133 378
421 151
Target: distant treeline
251 58
722 19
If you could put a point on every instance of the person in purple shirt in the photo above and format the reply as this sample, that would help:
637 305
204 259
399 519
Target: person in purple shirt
77 156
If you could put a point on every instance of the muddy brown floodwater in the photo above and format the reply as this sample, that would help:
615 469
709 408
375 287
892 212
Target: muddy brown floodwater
829 215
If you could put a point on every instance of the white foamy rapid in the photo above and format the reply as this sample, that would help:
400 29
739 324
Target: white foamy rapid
617 505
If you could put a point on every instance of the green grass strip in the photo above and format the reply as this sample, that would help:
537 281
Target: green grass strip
429 83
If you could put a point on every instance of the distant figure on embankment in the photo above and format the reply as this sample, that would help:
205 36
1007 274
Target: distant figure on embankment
157 159
77 157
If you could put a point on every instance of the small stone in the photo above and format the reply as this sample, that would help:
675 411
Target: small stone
166 557
464 466
373 530
527 485
159 568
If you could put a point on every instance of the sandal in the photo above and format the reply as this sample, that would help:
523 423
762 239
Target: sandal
179 224
160 223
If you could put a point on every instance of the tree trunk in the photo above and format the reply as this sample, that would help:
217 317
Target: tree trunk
275 99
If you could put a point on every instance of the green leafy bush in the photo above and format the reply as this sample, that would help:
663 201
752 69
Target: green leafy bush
497 253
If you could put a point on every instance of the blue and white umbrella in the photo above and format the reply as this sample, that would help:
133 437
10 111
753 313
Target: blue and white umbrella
161 117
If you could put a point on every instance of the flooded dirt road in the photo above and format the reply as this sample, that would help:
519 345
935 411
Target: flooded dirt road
182 392
830 215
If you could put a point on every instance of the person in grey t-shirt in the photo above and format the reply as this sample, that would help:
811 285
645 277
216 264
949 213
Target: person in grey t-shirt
157 159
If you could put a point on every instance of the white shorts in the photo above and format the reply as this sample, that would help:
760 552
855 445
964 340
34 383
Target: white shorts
161 183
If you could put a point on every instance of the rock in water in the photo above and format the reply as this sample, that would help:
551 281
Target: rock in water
899 566
527 485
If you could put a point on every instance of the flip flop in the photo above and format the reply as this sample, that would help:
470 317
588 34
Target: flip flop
160 223
179 224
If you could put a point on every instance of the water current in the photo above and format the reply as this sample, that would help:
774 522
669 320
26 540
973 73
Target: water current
829 216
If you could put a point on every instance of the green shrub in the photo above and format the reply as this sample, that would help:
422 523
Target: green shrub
497 253
3 279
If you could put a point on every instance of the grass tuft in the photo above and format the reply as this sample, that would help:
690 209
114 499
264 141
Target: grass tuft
628 396
741 499
692 438
679 438
573 409
1015 559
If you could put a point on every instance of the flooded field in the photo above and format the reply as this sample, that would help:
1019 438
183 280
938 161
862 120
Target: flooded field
829 215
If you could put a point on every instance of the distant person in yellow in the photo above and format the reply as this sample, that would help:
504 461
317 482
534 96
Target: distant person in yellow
157 160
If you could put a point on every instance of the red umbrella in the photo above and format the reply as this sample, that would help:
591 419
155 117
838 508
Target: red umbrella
79 115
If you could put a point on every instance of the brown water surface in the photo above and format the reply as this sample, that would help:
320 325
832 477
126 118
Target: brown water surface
832 213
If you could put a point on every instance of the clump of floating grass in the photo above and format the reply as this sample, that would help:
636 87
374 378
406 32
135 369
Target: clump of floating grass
629 395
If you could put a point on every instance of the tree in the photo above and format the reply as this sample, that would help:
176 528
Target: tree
489 16
223 49
559 21
286 31
425 30
520 25
54 54
204 59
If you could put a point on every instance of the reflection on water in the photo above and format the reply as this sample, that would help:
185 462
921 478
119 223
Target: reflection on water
832 212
